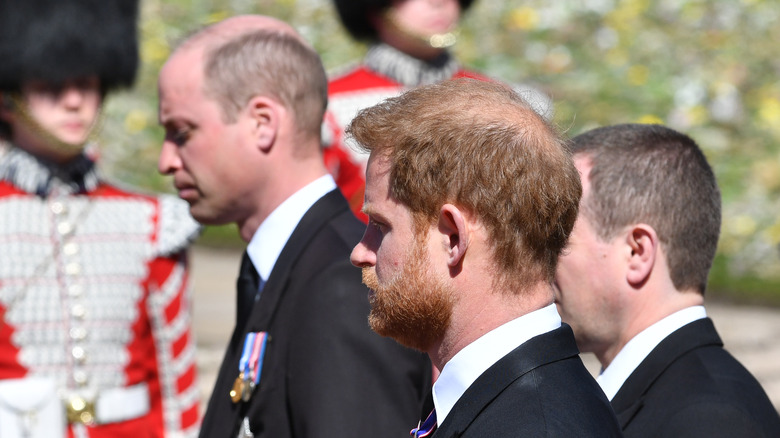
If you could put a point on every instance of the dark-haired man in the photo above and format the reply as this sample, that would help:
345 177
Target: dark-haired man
631 285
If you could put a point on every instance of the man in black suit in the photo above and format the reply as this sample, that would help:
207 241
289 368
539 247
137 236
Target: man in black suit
471 196
242 104
631 285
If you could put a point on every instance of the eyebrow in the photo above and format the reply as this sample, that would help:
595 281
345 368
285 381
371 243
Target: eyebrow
367 209
169 120
371 212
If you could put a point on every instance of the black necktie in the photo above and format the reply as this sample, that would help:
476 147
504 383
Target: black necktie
246 288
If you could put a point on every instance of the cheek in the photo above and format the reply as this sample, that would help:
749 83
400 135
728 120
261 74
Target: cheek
389 259
43 113
372 239
215 152
92 107
453 11
573 278
568 271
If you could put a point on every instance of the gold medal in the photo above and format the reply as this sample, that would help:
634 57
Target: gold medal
238 389
249 367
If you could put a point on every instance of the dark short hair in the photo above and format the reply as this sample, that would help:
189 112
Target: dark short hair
654 175
481 147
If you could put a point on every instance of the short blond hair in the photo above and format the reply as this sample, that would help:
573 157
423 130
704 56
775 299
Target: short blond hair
269 63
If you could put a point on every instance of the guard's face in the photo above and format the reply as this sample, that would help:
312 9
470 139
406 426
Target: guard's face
426 17
55 120
204 153
408 25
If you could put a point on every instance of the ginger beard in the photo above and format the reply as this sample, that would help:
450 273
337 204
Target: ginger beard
413 308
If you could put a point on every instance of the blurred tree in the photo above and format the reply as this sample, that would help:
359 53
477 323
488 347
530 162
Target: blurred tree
709 68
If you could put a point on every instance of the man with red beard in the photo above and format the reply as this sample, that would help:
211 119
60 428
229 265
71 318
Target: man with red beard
471 197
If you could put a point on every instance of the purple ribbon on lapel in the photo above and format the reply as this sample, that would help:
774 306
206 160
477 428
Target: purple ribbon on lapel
427 428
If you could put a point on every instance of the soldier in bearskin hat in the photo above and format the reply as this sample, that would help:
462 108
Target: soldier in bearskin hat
95 335
409 42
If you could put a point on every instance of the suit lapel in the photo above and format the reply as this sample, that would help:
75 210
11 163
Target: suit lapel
222 413
626 415
325 209
629 399
540 350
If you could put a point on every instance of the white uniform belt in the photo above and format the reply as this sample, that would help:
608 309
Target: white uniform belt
110 406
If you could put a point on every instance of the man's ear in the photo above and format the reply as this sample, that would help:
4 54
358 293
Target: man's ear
643 243
264 115
453 225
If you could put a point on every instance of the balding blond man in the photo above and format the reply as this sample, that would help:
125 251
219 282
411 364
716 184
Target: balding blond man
242 103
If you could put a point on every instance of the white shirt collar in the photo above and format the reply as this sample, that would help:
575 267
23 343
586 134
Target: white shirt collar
473 360
272 235
637 349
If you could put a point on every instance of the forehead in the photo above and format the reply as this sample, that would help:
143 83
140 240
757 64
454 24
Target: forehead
378 201
181 80
378 169
377 181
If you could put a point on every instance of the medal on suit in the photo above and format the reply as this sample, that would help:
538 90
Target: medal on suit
249 367
238 388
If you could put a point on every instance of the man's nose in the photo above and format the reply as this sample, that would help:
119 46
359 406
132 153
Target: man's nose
362 256
169 159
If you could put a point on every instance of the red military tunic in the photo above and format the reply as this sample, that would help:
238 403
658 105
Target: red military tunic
94 295
385 72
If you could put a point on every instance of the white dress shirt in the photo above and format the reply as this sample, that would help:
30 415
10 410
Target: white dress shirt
473 360
272 235
637 349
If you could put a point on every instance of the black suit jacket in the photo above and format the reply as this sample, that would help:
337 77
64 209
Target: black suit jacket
540 389
325 373
689 386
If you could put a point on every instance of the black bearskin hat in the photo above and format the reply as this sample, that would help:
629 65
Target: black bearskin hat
57 40
354 15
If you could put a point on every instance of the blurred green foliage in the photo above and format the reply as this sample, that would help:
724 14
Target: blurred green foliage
709 68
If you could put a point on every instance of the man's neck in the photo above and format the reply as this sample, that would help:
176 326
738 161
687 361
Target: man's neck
286 180
646 313
640 346
472 361
271 237
479 313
